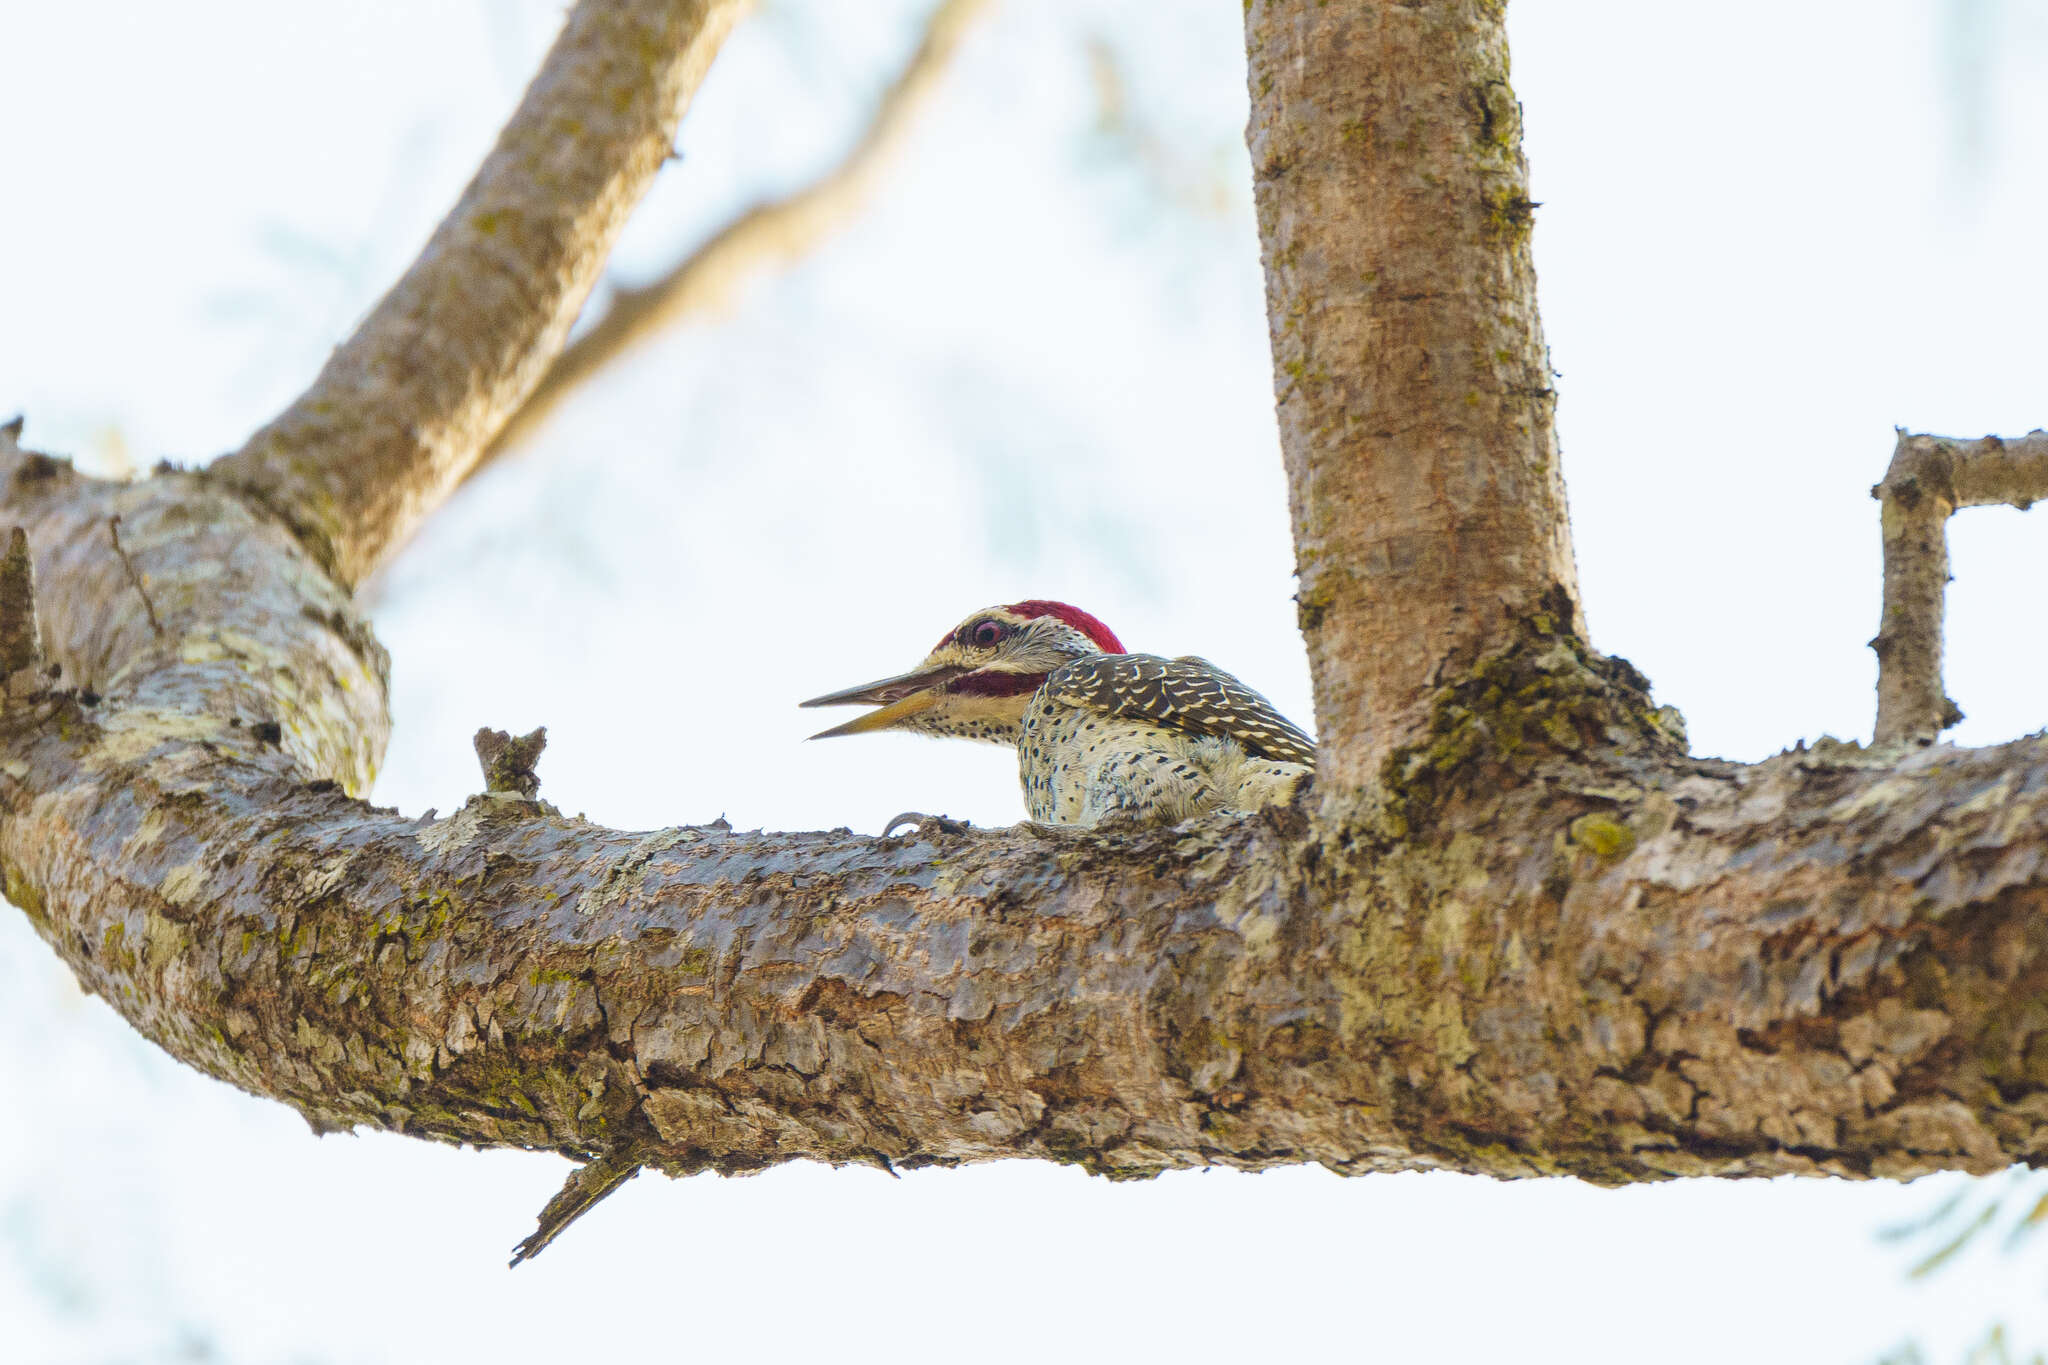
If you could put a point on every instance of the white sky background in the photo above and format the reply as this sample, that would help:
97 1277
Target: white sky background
1037 368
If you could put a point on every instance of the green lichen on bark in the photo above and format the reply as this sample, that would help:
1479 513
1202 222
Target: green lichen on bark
1510 214
23 894
1603 836
1548 694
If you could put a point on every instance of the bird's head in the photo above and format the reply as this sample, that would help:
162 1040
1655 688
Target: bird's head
977 681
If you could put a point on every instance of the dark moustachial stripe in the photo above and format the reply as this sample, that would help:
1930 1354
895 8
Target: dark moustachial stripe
990 683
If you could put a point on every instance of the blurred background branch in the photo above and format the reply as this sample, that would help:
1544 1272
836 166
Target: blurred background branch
773 233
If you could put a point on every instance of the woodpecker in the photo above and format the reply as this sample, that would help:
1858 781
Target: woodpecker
1103 737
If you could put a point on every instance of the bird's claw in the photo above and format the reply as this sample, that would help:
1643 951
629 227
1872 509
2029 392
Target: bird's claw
926 823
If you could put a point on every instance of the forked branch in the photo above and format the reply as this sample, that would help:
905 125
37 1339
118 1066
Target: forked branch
1930 479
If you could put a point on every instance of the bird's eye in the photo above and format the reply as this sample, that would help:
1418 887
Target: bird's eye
989 634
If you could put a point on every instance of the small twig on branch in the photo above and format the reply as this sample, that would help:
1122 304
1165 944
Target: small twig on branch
149 607
1930 478
780 231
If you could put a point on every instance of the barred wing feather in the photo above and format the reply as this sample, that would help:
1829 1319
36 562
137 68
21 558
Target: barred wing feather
1187 694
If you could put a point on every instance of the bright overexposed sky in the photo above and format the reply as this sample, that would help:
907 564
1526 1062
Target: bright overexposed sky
1771 230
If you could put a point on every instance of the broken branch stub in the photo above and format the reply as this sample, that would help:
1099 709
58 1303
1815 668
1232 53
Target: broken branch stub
21 634
1929 480
508 763
586 1186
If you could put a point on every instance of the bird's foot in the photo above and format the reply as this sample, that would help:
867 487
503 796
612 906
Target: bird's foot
926 824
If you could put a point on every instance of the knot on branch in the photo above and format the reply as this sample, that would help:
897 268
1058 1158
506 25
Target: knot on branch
508 763
1923 468
21 633
31 467
1547 696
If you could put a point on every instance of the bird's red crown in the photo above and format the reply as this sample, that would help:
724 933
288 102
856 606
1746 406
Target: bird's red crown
1104 638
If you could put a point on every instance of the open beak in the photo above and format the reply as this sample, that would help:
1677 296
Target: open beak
902 696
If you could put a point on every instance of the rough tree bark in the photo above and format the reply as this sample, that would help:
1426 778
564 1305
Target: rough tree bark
1518 930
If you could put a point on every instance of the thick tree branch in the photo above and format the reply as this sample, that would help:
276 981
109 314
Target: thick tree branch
406 405
765 235
1560 946
1930 479
1412 379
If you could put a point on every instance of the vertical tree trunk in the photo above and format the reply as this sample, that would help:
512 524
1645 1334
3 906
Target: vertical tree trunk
1408 361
